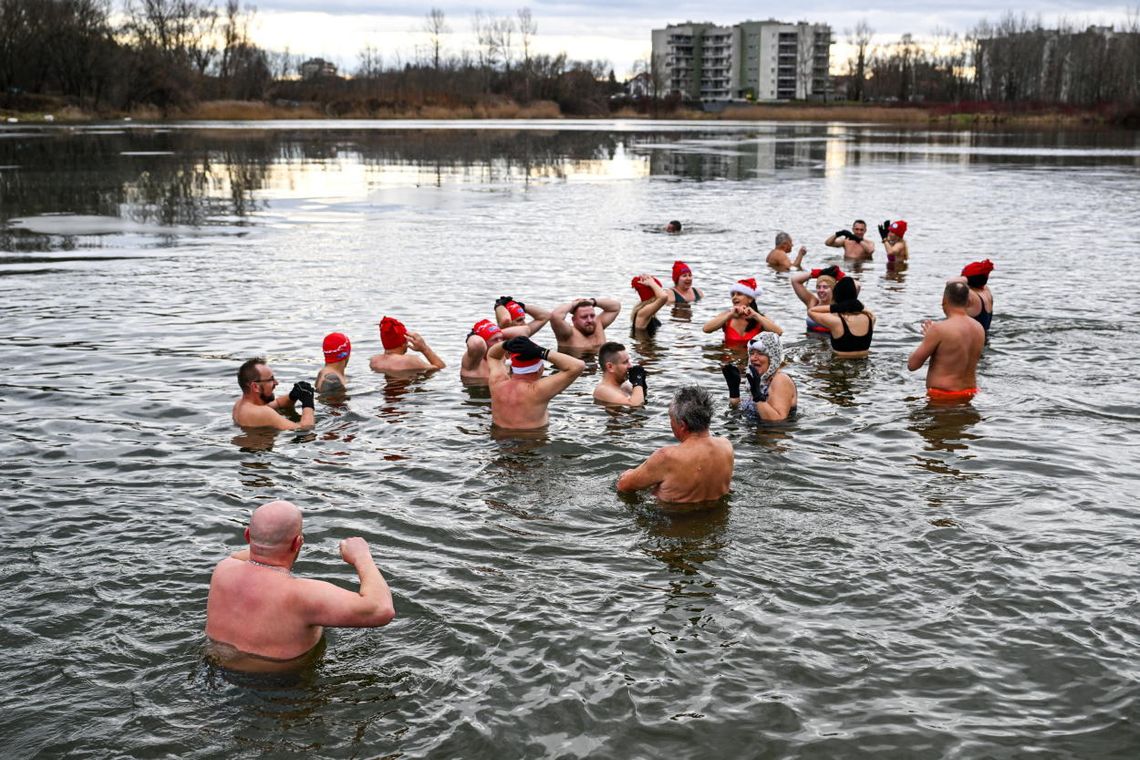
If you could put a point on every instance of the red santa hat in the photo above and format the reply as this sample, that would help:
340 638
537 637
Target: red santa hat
746 287
392 332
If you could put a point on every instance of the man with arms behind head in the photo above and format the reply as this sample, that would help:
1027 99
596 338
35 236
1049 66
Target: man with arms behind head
520 395
616 371
261 618
512 313
586 328
953 346
258 407
699 468
397 340
853 241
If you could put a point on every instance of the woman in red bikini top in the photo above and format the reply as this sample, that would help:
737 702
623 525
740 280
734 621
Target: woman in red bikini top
743 321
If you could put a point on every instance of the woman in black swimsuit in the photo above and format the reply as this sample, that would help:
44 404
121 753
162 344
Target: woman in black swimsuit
850 326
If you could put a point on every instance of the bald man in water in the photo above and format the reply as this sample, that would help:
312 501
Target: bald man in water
261 618
953 347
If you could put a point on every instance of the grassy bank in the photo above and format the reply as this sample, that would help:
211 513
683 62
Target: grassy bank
961 115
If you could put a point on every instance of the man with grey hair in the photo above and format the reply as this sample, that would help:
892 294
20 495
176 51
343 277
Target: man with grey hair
778 258
260 618
697 469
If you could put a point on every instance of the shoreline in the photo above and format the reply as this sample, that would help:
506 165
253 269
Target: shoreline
956 116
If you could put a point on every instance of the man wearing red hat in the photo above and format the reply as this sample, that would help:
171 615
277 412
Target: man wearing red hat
981 307
520 394
397 340
337 350
892 234
258 407
586 329
953 347
778 256
853 241
512 313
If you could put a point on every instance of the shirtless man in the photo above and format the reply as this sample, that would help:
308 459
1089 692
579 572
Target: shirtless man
673 227
853 241
621 382
898 254
258 407
511 313
397 340
337 349
260 618
953 346
697 469
778 257
520 395
586 329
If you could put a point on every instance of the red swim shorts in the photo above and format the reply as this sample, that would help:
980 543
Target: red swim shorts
964 394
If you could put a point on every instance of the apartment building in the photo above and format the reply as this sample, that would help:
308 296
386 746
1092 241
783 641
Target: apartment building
757 60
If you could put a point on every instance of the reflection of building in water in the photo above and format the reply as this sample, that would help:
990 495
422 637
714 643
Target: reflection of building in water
792 149
753 60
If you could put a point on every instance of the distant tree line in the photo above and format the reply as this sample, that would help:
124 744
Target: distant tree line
1012 61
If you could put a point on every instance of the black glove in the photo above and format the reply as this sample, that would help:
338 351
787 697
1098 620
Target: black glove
302 392
844 233
637 376
525 348
503 300
754 385
855 237
732 377
832 272
884 229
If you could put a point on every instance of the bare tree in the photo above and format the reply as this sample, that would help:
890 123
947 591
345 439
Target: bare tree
436 26
861 40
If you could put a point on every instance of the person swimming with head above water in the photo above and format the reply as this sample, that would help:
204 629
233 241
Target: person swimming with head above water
683 292
652 297
337 349
773 396
850 326
261 618
673 227
825 280
259 408
743 321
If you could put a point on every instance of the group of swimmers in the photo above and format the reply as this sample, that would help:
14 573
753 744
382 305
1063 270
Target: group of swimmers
252 586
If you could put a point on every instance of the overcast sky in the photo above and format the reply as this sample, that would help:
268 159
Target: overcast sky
617 30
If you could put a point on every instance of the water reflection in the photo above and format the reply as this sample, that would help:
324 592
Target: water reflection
945 429
836 379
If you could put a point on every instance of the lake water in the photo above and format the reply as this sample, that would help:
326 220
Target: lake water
887 579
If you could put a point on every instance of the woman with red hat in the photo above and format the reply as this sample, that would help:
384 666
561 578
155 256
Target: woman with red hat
653 297
976 275
825 280
743 321
897 251
683 293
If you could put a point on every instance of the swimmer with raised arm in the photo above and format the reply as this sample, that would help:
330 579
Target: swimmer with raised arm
697 469
519 393
772 396
651 298
262 618
779 258
586 328
622 382
898 252
853 241
825 280
259 408
512 313
396 341
850 326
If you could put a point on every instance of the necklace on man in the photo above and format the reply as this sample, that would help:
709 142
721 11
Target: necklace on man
271 567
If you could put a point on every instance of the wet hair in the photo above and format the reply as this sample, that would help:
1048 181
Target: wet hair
957 294
674 225
859 221
978 280
608 353
781 238
247 373
692 406
579 305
